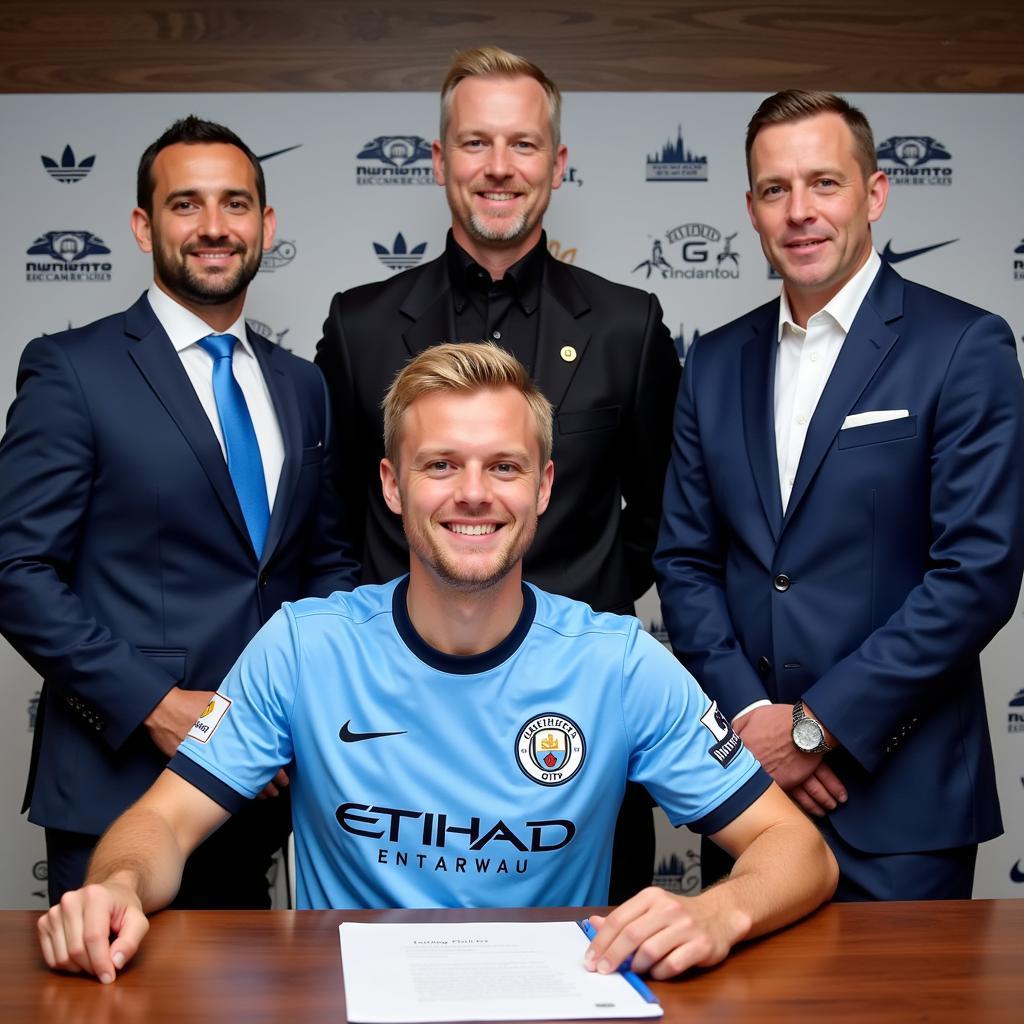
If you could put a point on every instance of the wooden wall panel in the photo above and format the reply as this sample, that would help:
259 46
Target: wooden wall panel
319 45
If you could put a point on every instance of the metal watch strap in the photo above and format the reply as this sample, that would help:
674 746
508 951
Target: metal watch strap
799 715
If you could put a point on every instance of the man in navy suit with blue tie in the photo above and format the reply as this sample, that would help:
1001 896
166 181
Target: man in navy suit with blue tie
842 520
165 484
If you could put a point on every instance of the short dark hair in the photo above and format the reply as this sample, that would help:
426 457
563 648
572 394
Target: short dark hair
192 130
799 104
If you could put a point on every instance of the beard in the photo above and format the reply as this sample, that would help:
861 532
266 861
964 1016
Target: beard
504 230
468 579
174 271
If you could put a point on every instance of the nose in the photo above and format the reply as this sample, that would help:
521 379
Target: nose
474 487
499 164
211 221
801 205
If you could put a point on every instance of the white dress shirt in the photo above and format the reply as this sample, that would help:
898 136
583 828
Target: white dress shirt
185 330
803 365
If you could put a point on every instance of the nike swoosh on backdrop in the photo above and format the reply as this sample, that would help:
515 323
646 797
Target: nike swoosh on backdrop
1016 875
898 257
278 152
347 736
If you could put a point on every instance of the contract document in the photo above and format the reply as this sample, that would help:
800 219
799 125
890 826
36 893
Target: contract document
411 973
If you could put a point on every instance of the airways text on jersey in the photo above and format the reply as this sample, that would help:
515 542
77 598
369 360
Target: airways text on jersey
421 839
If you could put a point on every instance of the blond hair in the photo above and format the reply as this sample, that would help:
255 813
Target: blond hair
463 369
799 104
492 61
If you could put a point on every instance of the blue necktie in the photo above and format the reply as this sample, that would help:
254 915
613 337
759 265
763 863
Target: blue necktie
243 450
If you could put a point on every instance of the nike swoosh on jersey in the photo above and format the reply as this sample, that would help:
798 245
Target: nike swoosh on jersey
347 736
898 257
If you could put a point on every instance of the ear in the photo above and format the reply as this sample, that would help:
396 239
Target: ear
878 195
558 172
142 229
547 478
389 485
269 228
750 210
437 155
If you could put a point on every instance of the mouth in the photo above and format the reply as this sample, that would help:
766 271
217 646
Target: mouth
472 529
212 256
805 244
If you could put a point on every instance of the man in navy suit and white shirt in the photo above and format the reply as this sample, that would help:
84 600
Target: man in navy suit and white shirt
842 520
165 483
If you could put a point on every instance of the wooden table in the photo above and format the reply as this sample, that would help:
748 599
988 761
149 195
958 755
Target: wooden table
960 962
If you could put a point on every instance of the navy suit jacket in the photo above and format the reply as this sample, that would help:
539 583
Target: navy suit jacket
898 558
613 410
125 564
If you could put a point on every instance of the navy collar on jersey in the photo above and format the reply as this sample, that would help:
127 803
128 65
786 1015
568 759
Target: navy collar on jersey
460 664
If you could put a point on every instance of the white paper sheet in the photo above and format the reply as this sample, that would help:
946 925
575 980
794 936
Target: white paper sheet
412 973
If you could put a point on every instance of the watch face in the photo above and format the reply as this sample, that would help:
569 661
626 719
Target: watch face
807 734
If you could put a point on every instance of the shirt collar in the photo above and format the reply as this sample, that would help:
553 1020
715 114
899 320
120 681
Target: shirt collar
843 306
183 327
523 278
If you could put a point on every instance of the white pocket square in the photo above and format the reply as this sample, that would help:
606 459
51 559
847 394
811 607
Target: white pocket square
862 419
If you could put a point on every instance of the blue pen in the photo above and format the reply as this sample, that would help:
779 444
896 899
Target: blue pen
624 968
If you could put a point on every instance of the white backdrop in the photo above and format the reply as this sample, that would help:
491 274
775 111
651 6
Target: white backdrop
647 172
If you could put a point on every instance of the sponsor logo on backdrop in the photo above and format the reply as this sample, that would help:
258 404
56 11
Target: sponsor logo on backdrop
40 872
395 160
680 875
65 257
1018 263
268 332
280 256
561 252
1015 718
676 162
69 169
399 256
1016 874
692 251
572 176
888 255
657 629
915 160
278 152
33 710
684 343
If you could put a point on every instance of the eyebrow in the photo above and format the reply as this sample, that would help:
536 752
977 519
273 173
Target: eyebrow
511 455
191 193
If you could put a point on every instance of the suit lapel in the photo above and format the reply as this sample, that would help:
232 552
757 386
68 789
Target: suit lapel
562 304
757 388
428 306
159 364
285 402
863 351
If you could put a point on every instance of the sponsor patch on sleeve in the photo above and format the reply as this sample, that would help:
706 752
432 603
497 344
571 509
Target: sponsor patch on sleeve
211 717
727 743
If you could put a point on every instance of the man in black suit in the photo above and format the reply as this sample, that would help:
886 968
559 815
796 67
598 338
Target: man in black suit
598 350
156 510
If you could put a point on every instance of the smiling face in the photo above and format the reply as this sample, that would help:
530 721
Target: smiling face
498 164
813 207
207 232
468 485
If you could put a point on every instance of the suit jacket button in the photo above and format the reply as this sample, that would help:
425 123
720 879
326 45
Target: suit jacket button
781 582
764 666
264 578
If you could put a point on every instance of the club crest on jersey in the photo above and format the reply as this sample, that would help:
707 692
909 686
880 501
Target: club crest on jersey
727 742
550 749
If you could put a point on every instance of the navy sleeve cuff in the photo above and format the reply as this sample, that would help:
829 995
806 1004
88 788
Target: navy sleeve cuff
732 807
230 799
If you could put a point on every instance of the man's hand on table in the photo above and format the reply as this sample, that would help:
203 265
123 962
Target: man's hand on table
75 934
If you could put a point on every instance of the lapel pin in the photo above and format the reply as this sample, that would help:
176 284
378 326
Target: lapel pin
568 353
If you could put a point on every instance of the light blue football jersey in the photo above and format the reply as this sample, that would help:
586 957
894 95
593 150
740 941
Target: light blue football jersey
426 780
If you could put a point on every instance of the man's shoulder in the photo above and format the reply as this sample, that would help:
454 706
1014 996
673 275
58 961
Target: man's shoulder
389 292
97 333
600 292
353 607
570 618
939 308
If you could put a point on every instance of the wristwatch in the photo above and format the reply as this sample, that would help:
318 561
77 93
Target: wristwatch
808 735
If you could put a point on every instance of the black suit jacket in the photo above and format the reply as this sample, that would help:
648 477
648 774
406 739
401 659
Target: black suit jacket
125 563
613 403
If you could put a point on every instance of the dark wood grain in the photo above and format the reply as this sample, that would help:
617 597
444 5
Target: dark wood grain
338 45
956 962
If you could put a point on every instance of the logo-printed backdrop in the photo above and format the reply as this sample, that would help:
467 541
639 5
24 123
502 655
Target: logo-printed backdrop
653 197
